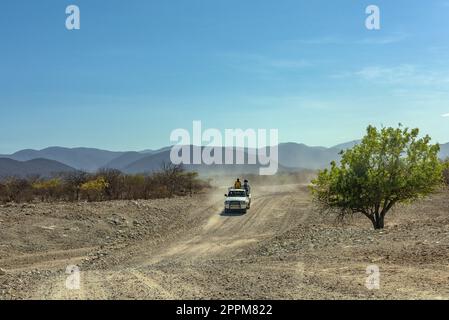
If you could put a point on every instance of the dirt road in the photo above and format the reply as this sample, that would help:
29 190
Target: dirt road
190 249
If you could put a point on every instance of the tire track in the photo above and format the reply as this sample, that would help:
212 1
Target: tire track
152 285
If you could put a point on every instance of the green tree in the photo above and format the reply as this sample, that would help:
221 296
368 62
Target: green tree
389 166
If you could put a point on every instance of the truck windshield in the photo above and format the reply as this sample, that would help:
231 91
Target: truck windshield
237 194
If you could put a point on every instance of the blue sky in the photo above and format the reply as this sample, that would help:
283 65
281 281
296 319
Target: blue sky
139 69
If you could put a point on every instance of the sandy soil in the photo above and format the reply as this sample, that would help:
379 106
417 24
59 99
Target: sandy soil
186 248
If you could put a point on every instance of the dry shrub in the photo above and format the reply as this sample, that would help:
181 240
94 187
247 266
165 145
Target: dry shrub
106 184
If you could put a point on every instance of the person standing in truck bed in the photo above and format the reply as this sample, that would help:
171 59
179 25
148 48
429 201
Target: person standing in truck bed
237 184
247 187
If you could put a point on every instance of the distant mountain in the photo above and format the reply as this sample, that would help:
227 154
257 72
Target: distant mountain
347 145
146 151
154 162
124 160
296 155
444 152
147 163
292 157
42 167
87 159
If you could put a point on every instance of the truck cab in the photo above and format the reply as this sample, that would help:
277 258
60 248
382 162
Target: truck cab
237 200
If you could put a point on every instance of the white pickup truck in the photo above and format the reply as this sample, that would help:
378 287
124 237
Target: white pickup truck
237 200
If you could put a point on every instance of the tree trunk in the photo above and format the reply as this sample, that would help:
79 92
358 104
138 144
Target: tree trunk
381 222
378 222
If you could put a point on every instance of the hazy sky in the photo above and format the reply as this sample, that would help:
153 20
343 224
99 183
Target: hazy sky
139 69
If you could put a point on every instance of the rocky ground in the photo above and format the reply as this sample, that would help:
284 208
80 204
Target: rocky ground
187 248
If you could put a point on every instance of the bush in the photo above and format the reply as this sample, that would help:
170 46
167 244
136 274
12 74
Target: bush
446 173
48 189
17 190
94 190
72 184
3 198
134 187
106 184
115 182
173 180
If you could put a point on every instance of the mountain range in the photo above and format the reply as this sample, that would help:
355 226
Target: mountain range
292 157
42 167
